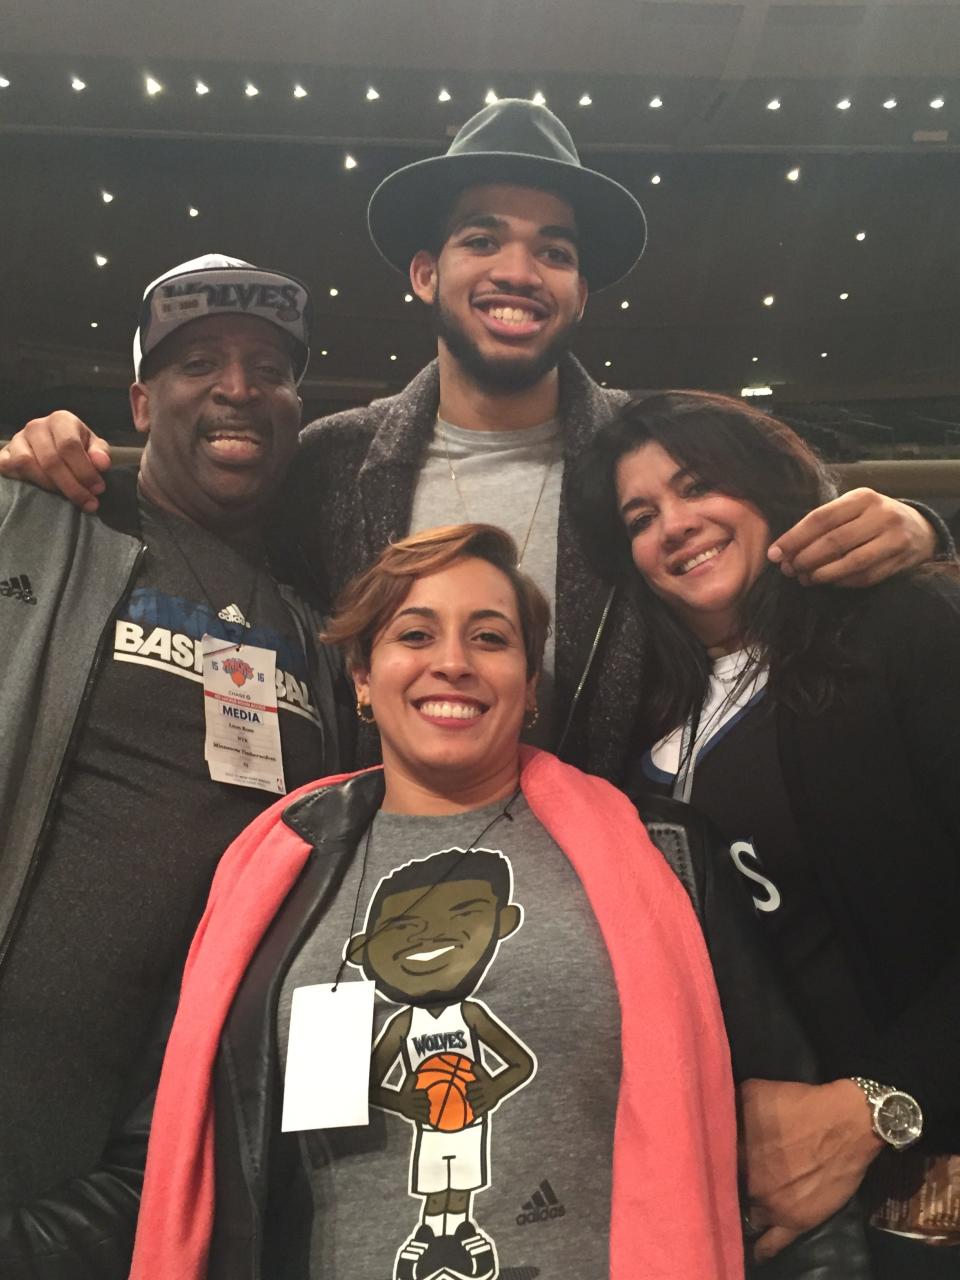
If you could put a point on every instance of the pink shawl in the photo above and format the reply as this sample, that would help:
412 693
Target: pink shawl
674 1211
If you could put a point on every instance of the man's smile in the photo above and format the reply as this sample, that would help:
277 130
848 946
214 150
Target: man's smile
233 443
509 316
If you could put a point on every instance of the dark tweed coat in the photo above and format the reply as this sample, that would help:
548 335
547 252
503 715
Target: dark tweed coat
351 491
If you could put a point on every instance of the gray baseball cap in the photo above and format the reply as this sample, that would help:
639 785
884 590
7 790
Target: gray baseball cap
217 285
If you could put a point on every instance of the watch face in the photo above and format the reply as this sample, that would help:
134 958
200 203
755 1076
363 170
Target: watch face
899 1120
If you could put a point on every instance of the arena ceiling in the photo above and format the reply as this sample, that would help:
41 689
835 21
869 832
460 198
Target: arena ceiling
726 119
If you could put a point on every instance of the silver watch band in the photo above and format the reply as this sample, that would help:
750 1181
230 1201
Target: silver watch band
872 1088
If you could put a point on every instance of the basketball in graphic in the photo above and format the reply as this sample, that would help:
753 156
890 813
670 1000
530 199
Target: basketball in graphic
444 1078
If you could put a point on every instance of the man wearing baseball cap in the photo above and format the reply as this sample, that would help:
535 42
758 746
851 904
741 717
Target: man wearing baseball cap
503 237
159 692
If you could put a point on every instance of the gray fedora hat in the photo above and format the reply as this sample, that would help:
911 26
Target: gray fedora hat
511 141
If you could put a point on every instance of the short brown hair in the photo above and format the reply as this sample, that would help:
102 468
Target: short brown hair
369 601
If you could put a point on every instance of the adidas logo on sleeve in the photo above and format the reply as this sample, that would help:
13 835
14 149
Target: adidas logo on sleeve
18 588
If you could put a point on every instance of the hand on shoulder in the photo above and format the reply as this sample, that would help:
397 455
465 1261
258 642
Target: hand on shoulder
857 540
61 454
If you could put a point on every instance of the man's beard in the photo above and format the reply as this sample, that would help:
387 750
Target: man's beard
490 373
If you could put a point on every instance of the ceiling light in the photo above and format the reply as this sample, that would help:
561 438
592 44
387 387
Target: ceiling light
491 98
94 325
538 99
773 104
334 293
201 89
393 357
251 89
937 103
656 103
769 300
861 235
754 359
443 96
106 197
77 84
608 364
193 212
793 175
372 94
625 305
299 91
349 162
585 100
823 355
844 297
844 104
100 260
4 82
153 87
750 392
324 352
655 179
889 104
408 297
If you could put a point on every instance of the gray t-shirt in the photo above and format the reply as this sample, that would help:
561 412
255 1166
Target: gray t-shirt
494 963
500 474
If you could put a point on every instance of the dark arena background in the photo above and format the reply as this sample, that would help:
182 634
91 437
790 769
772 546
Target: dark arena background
797 162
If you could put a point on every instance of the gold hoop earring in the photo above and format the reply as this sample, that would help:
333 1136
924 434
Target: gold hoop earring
534 718
361 707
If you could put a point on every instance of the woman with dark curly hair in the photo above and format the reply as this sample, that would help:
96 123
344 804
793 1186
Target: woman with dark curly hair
821 731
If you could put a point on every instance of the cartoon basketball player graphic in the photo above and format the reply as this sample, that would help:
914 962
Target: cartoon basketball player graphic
433 928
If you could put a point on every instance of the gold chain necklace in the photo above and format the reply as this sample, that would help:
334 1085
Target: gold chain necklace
463 502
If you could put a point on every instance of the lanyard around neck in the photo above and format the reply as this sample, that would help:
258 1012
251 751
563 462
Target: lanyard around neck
683 782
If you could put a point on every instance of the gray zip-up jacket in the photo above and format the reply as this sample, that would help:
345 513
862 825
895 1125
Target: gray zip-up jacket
77 569
62 576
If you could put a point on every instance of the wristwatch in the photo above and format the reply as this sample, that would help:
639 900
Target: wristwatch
897 1117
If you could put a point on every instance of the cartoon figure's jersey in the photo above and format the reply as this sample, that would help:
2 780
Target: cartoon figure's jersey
446 1033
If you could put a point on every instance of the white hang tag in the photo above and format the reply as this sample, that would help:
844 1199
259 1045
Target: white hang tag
242 743
327 1082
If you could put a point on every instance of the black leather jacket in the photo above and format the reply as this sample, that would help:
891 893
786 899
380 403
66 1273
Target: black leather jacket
263 1201
83 1229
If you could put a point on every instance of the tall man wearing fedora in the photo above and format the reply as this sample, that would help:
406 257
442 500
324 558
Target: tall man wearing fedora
502 237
